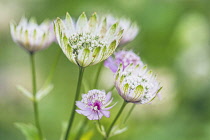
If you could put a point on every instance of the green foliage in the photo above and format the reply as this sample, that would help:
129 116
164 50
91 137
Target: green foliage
25 92
39 95
101 129
28 130
44 92
118 129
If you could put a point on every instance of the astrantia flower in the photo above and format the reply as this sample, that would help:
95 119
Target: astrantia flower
87 42
31 36
94 103
130 29
136 84
122 57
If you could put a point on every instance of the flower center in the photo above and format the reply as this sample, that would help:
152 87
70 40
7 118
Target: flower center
134 81
94 99
97 106
80 41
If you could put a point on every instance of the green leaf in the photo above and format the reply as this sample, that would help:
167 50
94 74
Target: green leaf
117 130
28 130
44 92
25 92
101 129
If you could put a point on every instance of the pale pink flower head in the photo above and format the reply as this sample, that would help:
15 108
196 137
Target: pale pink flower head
122 57
131 29
31 36
94 103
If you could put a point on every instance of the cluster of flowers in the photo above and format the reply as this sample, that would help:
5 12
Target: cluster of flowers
88 42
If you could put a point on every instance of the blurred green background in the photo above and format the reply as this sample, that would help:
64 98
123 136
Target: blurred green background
174 41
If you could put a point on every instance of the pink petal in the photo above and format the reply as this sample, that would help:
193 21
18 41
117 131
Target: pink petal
110 107
108 102
95 116
105 113
111 64
84 112
80 105
108 97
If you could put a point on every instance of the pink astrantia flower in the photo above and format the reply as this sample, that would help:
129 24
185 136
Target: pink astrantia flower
94 103
122 57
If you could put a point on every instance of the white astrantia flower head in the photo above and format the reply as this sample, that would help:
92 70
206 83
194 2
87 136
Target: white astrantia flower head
31 36
87 42
130 28
136 84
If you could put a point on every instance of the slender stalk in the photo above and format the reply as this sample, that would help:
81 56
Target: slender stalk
35 104
129 113
53 67
81 71
85 121
115 120
99 124
112 88
97 75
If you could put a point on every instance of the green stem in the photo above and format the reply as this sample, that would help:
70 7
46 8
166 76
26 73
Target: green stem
53 67
98 74
81 71
35 104
99 124
112 88
129 113
85 121
115 120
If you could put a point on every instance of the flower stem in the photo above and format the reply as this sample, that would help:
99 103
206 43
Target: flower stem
53 67
81 71
97 75
115 120
112 88
129 113
35 104
85 121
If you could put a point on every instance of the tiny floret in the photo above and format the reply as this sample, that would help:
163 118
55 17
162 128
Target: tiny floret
31 36
87 42
94 103
122 57
136 84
